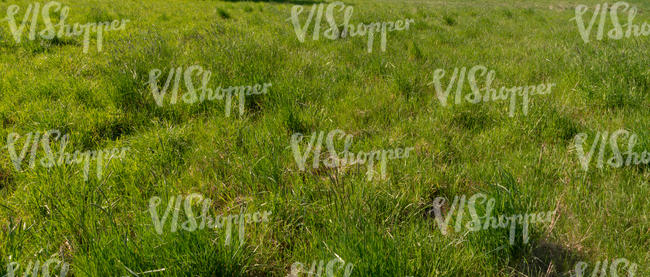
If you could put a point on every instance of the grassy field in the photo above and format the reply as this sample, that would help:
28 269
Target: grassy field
244 163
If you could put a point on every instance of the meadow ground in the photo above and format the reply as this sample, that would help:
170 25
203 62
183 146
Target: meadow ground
103 226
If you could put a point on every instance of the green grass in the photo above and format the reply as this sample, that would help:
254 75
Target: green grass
245 163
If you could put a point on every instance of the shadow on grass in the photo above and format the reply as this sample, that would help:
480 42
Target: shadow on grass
5 178
549 259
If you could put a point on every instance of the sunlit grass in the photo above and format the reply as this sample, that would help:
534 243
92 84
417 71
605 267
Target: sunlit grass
103 228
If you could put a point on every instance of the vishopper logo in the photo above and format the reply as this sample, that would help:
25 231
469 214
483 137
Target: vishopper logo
102 157
380 28
485 93
33 268
617 32
204 92
64 30
348 158
298 268
475 224
603 270
617 159
206 221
